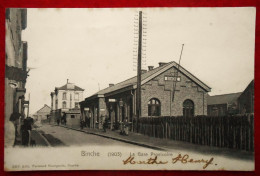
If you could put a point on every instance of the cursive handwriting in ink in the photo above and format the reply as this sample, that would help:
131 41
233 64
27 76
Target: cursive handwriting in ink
131 160
186 159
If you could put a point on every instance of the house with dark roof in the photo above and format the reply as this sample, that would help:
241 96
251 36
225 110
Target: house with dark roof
65 103
233 103
43 114
118 101
225 104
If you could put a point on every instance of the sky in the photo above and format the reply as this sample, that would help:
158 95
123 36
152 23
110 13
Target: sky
95 47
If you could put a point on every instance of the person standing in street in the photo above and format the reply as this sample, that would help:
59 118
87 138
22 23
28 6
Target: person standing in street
26 129
126 127
105 123
11 128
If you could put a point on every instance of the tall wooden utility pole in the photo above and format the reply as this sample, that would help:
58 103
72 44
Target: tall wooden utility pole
139 67
28 105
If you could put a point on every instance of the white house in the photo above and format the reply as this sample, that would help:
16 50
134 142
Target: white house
65 102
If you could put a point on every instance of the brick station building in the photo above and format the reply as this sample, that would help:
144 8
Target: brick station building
118 102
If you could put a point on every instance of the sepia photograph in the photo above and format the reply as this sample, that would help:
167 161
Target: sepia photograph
129 89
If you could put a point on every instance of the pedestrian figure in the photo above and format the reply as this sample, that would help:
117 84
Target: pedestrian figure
26 128
125 127
105 123
12 128
121 127
58 121
65 121
81 124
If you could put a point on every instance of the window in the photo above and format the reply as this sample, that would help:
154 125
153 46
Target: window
64 96
188 108
72 116
76 104
76 96
154 107
56 104
64 104
172 78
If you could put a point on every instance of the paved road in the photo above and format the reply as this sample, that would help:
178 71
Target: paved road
60 136
38 138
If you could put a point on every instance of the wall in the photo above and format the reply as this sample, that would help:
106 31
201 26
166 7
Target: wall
9 99
15 55
69 99
73 122
42 113
217 110
15 67
246 100
162 90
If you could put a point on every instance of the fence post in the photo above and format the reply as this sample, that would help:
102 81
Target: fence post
252 131
166 128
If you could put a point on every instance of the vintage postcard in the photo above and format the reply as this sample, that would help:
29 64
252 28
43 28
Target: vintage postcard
129 89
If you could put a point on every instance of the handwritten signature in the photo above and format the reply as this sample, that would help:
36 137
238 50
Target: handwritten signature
184 159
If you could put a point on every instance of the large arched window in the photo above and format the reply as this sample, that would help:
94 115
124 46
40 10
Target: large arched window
154 107
188 108
64 104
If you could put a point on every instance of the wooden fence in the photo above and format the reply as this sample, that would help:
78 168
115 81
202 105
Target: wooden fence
225 131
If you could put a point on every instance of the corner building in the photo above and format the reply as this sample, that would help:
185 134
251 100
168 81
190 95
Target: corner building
16 73
65 104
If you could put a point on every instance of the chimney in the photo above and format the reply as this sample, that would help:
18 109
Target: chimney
110 85
143 71
150 68
162 64
67 81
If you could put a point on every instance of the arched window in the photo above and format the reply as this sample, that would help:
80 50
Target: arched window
64 104
56 104
154 107
188 108
64 96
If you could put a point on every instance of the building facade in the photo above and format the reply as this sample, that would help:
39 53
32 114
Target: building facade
158 86
43 114
221 105
65 103
233 103
15 70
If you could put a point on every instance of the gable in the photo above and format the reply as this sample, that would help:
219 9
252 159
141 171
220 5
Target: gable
182 71
167 79
45 109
